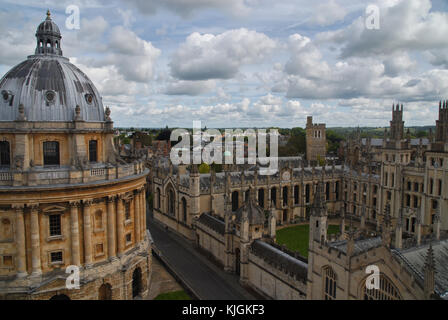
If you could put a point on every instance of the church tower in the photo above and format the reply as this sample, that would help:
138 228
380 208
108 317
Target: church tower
318 219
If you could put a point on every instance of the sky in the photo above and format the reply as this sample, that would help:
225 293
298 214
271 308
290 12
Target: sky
246 63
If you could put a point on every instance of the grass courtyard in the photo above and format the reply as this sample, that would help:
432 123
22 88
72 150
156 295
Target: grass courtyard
296 238
175 295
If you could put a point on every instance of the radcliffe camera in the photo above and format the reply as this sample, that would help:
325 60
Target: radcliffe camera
240 152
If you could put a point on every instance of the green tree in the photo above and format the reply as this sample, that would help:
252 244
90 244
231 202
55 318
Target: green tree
204 168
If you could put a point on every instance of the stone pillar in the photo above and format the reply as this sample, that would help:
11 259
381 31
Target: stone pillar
111 247
20 241
120 225
137 216
35 240
74 229
143 206
87 233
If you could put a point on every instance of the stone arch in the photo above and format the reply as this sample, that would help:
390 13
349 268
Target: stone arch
136 282
105 292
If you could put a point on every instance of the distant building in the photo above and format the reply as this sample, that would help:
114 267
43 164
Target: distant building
316 140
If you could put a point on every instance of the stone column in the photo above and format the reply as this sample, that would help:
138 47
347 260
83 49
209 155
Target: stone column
120 225
20 241
143 208
137 213
74 228
87 233
35 240
111 218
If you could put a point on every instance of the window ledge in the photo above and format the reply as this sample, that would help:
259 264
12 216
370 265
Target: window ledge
53 238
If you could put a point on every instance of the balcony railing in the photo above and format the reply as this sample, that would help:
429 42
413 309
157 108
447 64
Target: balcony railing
55 175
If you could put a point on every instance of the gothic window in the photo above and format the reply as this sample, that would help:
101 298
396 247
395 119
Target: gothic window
409 185
5 158
296 194
235 204
51 153
184 209
386 178
171 202
375 189
386 291
55 225
440 187
393 180
336 190
274 195
158 198
374 202
408 200
307 193
431 185
434 204
415 187
413 224
246 195
327 191
330 283
415 202
285 196
261 197
93 150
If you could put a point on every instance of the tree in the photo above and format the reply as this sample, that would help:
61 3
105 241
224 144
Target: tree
164 134
204 168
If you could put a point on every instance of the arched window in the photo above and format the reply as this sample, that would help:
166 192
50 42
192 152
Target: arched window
330 283
99 219
261 197
327 191
285 195
171 202
307 193
386 290
51 153
235 204
93 150
184 210
296 195
274 195
5 156
336 190
127 210
158 199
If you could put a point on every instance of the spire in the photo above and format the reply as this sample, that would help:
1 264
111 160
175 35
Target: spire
319 207
430 270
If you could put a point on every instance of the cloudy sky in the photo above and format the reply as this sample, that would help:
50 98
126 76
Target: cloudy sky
243 63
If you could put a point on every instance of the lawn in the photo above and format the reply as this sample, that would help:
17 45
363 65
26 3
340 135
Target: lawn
175 295
296 238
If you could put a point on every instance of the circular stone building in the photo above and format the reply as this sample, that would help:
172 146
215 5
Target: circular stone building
69 205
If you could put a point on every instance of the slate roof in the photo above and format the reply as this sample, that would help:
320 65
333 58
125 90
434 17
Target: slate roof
212 222
280 259
361 245
414 260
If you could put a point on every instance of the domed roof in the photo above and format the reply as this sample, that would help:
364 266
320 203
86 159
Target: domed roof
48 26
48 86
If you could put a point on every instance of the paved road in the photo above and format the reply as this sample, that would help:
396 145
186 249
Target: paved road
203 277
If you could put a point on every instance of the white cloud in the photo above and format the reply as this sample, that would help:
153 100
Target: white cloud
328 13
191 88
208 56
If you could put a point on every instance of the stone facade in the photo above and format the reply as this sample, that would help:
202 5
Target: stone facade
68 199
316 141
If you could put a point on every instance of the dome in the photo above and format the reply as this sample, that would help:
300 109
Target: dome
48 86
